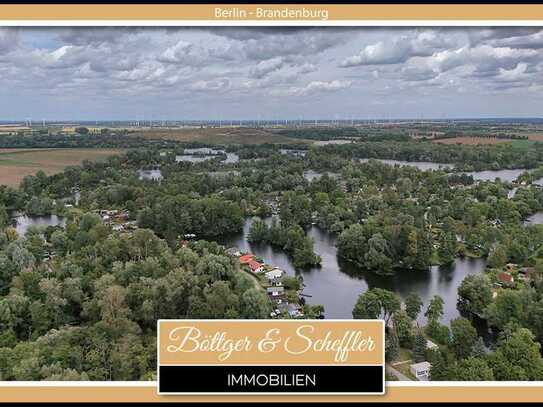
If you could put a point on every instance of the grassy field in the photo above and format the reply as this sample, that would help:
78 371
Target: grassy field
220 136
15 164
473 141
524 145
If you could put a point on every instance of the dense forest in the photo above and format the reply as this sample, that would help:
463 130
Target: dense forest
81 301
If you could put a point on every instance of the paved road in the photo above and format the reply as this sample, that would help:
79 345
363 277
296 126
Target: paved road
399 375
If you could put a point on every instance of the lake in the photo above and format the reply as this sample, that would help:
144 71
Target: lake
23 222
421 165
535 219
492 175
489 175
337 284
197 155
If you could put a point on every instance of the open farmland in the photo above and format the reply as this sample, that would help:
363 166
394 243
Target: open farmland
237 135
473 141
15 164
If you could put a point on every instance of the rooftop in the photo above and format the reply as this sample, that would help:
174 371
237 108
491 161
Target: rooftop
420 366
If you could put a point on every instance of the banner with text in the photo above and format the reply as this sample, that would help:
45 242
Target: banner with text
270 356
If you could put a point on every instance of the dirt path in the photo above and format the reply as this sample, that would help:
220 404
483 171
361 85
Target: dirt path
399 375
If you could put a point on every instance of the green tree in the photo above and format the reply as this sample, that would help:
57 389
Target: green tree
375 303
434 312
258 232
518 357
392 346
507 307
463 338
447 248
497 257
4 218
404 328
295 209
475 294
377 257
472 369
254 304
413 305
440 361
479 348
419 347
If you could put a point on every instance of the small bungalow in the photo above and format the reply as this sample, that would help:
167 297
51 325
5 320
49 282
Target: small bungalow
255 266
233 251
505 278
294 310
274 277
276 291
421 370
246 258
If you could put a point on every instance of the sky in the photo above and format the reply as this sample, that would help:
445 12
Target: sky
221 73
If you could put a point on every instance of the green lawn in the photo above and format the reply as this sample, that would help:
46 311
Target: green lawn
522 144
404 368
405 354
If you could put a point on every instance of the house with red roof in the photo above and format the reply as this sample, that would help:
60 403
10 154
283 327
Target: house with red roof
255 266
246 258
505 278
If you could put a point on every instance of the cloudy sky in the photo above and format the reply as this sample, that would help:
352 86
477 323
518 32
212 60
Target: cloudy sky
270 73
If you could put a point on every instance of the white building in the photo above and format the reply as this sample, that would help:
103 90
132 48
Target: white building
274 276
421 370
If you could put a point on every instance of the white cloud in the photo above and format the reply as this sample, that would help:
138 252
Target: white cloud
265 67
398 49
515 74
196 71
318 86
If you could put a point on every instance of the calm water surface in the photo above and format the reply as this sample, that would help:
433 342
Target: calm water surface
535 219
197 155
490 175
337 284
23 222
421 165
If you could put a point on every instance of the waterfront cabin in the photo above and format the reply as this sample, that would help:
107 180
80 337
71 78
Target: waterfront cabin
233 251
274 277
294 310
246 258
505 278
421 370
255 266
276 292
